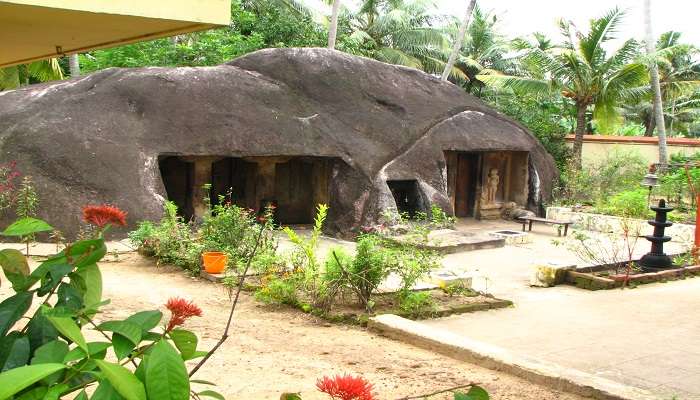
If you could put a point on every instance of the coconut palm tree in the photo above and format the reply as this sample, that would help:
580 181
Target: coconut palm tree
333 28
458 43
484 49
583 72
655 85
401 32
24 74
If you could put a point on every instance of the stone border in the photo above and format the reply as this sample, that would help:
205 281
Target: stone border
499 359
682 233
587 280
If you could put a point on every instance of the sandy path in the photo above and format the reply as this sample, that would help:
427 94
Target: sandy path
276 350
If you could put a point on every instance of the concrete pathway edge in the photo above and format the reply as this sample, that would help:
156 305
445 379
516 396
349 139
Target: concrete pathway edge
496 358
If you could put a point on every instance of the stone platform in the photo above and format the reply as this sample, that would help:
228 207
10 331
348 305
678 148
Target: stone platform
447 241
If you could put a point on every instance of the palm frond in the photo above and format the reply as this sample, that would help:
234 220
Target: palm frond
398 57
602 30
517 84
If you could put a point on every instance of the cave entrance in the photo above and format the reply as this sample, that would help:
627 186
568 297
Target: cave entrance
407 197
294 185
178 179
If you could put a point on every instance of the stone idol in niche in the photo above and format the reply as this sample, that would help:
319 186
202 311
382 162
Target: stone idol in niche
489 208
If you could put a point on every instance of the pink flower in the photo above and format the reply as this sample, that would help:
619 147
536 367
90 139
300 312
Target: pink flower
346 387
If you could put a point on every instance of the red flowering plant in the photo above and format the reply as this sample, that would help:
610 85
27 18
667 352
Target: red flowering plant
345 387
8 184
181 310
48 355
104 215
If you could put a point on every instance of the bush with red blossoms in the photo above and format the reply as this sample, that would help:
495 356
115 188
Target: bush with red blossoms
346 387
135 358
181 310
104 214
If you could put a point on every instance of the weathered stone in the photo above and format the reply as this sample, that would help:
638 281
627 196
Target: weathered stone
98 138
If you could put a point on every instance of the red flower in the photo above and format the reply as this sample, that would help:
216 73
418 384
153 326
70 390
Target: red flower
103 215
181 309
346 387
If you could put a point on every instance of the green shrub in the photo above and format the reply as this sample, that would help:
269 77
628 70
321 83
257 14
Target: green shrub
596 182
416 304
144 231
439 218
234 230
361 274
628 204
278 291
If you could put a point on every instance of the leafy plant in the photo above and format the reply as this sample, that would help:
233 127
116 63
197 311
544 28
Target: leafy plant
8 185
416 304
439 218
628 204
305 261
49 357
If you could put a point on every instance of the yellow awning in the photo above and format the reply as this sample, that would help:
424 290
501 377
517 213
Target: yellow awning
32 30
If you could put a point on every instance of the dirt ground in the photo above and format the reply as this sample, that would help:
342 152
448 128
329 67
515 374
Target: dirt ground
276 350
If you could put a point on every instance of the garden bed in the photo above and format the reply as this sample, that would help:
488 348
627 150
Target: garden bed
443 305
388 303
611 276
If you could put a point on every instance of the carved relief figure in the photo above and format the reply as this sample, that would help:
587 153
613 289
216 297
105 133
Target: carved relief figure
488 194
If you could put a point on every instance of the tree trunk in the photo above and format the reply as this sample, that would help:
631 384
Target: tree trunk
655 86
333 29
650 124
458 42
580 131
74 65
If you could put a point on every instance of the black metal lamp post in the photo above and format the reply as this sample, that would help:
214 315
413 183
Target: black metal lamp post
651 180
656 260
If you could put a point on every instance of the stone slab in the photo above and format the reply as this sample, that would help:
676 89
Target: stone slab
493 357
448 241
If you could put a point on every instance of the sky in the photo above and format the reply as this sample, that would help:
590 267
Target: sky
521 17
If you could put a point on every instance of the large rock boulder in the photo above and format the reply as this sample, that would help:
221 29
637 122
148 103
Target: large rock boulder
97 138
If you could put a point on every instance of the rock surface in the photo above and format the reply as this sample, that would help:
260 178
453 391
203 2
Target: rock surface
97 138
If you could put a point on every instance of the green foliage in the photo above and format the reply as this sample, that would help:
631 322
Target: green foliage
252 27
27 199
363 273
51 358
304 260
439 218
416 304
595 183
235 230
279 290
226 227
628 204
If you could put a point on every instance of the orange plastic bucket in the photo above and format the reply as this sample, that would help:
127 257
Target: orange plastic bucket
214 261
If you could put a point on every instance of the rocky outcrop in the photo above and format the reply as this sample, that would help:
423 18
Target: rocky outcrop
98 138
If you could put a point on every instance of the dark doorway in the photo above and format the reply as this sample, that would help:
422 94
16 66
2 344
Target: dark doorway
466 181
178 179
294 192
407 196
232 177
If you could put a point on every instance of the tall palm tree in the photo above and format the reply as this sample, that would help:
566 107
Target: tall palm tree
458 43
484 49
74 65
583 72
401 32
655 85
333 28
24 74
679 77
